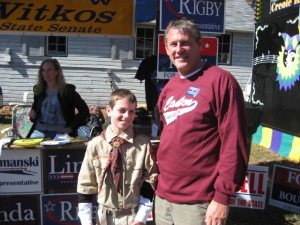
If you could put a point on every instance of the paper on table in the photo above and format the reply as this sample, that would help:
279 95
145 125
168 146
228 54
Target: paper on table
62 142
60 137
4 141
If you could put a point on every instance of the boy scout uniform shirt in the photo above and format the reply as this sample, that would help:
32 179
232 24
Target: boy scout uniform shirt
137 164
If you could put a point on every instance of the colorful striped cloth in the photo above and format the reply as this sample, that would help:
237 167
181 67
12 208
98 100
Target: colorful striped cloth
281 143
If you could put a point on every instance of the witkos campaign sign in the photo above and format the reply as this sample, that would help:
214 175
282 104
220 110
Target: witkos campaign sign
68 17
285 190
253 193
20 171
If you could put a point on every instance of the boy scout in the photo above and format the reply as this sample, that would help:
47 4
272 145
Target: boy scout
118 166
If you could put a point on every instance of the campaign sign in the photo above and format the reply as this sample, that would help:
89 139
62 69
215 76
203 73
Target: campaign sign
19 210
20 171
62 168
253 193
67 17
62 209
208 15
285 189
166 70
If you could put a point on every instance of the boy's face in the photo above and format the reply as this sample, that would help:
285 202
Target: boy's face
121 115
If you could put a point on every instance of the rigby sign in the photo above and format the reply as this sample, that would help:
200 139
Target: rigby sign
208 15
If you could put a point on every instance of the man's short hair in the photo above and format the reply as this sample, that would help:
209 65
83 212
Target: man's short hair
183 25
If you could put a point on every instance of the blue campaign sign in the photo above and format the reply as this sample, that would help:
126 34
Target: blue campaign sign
19 210
62 168
62 209
208 15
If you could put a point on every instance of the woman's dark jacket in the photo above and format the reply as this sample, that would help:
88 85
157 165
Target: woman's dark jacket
69 100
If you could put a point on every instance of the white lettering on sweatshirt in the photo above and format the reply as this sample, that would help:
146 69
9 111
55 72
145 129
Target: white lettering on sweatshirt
178 108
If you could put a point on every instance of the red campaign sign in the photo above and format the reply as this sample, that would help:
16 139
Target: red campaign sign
285 188
162 49
287 177
209 46
253 192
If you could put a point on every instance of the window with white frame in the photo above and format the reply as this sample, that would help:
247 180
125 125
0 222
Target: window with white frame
57 46
144 44
224 49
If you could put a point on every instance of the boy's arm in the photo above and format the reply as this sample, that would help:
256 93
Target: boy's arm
145 208
86 186
85 208
148 186
150 173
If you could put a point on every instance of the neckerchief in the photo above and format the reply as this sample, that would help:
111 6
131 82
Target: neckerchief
114 162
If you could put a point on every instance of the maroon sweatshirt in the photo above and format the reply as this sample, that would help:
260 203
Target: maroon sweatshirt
203 151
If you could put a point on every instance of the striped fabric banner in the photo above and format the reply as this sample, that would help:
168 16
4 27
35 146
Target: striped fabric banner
281 143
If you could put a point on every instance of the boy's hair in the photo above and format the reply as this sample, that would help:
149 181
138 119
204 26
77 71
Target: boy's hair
183 25
120 94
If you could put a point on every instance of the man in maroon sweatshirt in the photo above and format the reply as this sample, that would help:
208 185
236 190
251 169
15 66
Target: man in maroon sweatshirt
203 153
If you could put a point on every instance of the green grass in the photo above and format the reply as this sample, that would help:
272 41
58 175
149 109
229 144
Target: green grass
270 215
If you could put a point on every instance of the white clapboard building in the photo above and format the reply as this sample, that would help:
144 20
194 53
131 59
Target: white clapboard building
99 65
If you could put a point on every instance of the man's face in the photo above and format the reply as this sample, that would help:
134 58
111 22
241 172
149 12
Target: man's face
183 51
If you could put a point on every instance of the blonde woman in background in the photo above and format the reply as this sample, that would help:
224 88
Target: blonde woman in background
55 101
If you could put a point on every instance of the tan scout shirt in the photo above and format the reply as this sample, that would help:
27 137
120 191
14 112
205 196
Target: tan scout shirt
138 166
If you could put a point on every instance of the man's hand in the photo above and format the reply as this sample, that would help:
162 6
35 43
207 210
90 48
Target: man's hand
216 214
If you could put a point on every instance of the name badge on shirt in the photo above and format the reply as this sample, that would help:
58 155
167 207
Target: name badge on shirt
193 91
